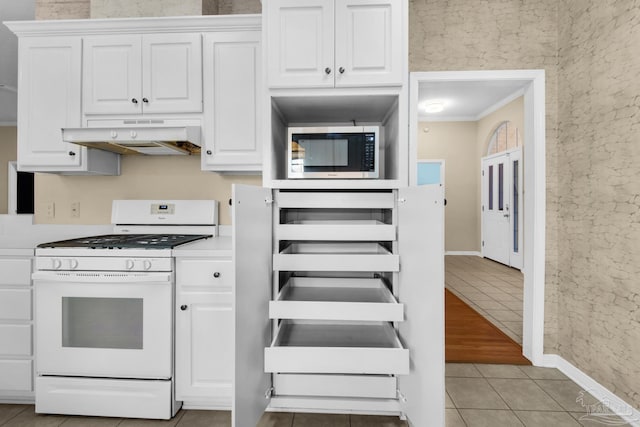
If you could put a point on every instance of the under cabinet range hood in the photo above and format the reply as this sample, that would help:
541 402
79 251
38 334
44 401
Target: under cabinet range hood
148 140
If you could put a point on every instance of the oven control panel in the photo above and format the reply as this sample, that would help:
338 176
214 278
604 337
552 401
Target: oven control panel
63 263
163 209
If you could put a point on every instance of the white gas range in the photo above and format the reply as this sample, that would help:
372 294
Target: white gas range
104 312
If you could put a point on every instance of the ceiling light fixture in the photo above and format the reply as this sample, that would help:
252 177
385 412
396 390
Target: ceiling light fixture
434 107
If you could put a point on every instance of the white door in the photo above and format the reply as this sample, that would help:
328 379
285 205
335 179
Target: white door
232 105
112 325
171 73
252 257
421 290
48 100
300 43
368 43
502 207
112 75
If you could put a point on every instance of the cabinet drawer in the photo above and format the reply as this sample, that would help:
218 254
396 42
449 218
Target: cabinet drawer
334 200
15 340
15 304
16 375
359 386
204 273
335 257
15 272
336 230
330 298
345 348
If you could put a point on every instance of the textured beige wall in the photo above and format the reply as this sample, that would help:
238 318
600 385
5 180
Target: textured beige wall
8 138
494 35
231 7
136 8
599 211
455 142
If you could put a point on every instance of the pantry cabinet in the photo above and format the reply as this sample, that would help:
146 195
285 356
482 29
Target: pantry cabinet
335 43
16 329
50 99
232 101
204 333
142 74
353 321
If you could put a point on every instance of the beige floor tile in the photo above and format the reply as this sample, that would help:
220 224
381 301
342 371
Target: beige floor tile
7 412
320 420
453 419
78 421
568 394
473 393
515 305
376 421
538 373
490 305
490 418
545 419
193 418
28 418
276 419
500 371
448 403
521 394
505 315
515 326
466 370
599 420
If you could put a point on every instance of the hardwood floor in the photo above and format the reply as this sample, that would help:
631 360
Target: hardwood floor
471 338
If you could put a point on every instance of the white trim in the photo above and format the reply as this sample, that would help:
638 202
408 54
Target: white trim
534 182
467 253
495 107
12 188
600 392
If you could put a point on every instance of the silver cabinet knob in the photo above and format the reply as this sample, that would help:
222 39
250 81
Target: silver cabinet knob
135 101
327 70
216 274
209 152
341 70
145 100
72 153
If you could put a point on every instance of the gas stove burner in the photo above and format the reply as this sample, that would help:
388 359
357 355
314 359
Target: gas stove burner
128 241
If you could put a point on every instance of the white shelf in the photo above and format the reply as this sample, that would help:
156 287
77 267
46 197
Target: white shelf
323 385
332 298
335 230
338 348
333 256
334 200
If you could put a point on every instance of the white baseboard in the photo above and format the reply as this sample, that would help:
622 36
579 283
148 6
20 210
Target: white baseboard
613 402
471 253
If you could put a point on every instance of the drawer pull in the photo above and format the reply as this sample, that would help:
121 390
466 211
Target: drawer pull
183 307
216 274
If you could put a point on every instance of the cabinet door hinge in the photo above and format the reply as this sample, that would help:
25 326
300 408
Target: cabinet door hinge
483 243
268 393
483 172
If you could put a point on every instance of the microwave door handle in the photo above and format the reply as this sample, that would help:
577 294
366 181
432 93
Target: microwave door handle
115 278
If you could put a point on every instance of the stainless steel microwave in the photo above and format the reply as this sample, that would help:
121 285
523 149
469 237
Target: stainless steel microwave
344 152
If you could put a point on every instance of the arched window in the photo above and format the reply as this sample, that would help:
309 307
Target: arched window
504 138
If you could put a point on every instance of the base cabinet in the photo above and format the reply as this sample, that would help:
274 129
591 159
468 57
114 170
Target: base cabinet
204 334
16 329
334 342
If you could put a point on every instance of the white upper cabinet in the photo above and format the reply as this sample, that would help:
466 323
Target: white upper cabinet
335 43
232 106
49 99
136 74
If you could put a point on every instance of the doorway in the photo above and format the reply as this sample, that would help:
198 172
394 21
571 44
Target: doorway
501 207
533 178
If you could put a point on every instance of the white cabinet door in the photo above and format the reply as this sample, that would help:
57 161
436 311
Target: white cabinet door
232 102
133 74
204 348
112 75
49 99
369 41
172 73
300 43
252 241
421 290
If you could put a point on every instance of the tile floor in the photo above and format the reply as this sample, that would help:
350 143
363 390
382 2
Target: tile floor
492 289
477 396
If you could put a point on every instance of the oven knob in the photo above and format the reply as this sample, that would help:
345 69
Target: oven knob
183 307
129 264
147 264
73 264
57 264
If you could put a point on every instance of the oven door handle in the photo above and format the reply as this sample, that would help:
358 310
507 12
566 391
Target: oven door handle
98 277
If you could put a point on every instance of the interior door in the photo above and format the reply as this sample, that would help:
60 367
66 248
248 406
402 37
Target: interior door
502 208
421 290
253 270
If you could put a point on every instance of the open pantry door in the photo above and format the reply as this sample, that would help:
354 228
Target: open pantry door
252 263
421 290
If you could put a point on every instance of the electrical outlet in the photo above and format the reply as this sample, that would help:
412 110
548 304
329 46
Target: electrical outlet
51 210
75 210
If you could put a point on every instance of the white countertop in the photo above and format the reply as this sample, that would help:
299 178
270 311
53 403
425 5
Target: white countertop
217 247
21 241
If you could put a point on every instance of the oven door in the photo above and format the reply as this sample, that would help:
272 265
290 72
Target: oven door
104 324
